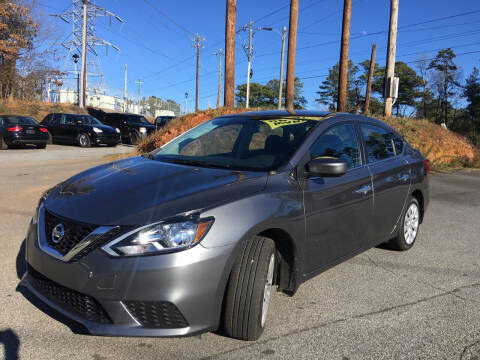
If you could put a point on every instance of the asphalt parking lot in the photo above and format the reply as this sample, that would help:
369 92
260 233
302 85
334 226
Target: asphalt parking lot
420 304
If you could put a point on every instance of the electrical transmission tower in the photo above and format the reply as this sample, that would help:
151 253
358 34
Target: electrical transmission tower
84 30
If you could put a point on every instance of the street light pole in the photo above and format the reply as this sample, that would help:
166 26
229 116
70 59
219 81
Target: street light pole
282 59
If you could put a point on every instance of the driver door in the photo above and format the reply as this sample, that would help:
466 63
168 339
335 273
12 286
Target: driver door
338 210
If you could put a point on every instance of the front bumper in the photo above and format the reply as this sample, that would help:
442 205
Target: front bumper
186 289
108 139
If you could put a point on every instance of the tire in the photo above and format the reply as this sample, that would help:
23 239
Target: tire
3 145
409 226
50 139
111 145
248 289
42 146
134 138
83 140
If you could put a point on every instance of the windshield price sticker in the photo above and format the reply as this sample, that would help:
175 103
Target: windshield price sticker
276 123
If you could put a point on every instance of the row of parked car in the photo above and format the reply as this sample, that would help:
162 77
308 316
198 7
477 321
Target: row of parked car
79 129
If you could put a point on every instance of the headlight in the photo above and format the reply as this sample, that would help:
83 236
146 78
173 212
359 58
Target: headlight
97 130
142 130
117 130
159 238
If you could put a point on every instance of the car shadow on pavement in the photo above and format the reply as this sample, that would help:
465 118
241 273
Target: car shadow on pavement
75 327
11 344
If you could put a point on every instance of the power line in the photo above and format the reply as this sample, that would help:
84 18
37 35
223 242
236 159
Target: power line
180 26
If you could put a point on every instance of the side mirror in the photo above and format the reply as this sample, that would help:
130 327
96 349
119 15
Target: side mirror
326 166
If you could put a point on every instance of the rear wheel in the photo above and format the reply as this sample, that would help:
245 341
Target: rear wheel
409 226
248 290
83 140
50 140
3 145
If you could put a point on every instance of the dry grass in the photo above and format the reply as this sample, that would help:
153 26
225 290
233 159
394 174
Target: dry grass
445 149
36 109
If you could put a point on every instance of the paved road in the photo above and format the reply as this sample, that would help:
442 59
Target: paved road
422 304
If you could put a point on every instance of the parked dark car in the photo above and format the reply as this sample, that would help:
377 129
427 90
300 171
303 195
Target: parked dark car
161 121
21 130
192 236
133 127
79 129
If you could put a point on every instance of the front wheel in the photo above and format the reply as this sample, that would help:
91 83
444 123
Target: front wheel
134 138
409 226
248 290
83 140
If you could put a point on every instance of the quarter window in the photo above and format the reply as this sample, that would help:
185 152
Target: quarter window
378 141
340 142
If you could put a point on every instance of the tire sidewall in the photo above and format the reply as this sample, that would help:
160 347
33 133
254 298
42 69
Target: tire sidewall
401 234
87 144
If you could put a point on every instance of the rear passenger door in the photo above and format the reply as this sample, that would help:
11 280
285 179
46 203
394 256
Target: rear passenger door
390 175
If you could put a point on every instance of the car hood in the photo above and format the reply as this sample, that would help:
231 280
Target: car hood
138 191
104 128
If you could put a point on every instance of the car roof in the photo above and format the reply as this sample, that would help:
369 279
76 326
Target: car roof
333 116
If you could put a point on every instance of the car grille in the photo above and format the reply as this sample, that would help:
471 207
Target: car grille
74 232
77 303
161 315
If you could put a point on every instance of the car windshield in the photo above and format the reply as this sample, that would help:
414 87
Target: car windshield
86 120
238 143
137 119
19 120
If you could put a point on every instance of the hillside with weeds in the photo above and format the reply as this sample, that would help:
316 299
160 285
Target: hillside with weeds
36 109
444 148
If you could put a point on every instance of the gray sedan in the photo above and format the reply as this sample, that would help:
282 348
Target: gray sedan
193 236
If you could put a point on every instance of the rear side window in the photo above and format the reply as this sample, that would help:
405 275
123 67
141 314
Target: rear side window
339 141
378 142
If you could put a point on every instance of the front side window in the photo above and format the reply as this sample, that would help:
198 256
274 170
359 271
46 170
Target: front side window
339 141
238 143
378 141
85 120
136 119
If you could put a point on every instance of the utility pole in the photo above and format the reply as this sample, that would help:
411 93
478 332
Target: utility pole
343 72
249 57
370 77
186 102
292 47
197 45
282 58
219 54
391 50
139 82
125 91
230 24
83 70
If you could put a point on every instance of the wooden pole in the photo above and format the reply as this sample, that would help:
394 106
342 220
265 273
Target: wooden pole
292 47
230 23
343 73
370 77
391 50
219 94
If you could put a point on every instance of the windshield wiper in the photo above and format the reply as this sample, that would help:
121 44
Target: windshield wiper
196 163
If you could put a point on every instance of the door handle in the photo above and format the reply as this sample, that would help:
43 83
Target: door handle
404 177
364 190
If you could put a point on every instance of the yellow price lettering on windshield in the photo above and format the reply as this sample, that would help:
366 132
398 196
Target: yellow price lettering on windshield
276 123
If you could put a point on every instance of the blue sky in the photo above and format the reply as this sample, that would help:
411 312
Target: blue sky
159 49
